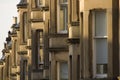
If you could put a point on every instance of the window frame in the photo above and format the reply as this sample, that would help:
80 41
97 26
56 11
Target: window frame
39 54
95 37
24 34
39 3
59 70
63 5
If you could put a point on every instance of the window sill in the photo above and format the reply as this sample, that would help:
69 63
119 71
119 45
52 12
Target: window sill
63 32
99 37
101 75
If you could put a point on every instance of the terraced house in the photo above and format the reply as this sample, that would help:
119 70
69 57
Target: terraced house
63 40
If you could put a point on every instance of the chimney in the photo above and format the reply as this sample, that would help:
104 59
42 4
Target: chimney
14 20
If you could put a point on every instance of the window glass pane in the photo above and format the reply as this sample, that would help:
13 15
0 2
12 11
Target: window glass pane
64 71
41 38
40 48
101 56
62 15
101 51
41 56
61 19
24 27
24 69
100 23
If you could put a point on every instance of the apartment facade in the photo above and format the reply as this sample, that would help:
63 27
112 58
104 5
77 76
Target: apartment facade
100 36
63 40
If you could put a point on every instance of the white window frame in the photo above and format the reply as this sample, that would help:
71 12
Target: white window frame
40 3
94 46
59 5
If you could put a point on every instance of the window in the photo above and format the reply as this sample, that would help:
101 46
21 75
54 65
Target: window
62 71
70 58
37 50
2 73
62 15
100 43
39 56
78 67
8 66
41 46
39 3
24 69
15 52
24 27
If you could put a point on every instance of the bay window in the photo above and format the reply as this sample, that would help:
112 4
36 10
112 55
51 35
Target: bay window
24 69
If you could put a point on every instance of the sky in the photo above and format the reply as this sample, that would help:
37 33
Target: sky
8 9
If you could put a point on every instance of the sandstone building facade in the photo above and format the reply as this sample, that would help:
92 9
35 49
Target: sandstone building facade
63 40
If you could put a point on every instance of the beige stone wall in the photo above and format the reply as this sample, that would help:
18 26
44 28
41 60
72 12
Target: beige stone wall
89 5
74 46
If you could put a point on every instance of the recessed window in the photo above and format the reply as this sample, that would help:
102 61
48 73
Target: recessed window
15 52
24 34
24 69
62 71
100 43
39 54
62 16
